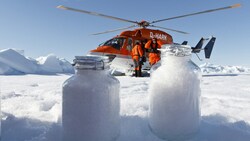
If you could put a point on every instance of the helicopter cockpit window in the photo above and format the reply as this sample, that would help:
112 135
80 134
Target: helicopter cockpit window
101 44
116 43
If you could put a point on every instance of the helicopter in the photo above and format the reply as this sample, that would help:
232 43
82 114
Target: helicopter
119 48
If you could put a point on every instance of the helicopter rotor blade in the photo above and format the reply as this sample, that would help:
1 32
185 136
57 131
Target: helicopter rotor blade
170 29
202 12
95 14
108 31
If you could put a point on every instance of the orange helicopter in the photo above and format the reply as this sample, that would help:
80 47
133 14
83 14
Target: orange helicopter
118 49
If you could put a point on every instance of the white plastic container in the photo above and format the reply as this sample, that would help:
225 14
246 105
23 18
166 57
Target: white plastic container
174 95
91 106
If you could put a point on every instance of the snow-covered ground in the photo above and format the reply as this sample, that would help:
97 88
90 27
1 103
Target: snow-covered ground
31 108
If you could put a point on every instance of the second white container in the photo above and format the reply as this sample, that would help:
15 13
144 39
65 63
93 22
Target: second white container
174 95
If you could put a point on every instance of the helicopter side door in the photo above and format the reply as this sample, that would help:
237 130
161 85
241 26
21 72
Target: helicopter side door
130 44
124 59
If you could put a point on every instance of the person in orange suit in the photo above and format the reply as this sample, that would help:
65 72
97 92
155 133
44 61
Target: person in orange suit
137 54
154 54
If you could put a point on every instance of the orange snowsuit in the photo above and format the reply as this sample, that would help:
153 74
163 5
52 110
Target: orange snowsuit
137 53
154 54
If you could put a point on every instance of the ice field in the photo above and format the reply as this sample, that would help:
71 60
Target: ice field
31 108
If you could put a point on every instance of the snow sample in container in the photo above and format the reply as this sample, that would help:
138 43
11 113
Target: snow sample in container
91 106
174 95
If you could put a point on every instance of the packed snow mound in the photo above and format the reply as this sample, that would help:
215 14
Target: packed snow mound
209 68
14 62
53 64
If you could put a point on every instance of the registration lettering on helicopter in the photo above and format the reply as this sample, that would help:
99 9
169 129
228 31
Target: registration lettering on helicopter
158 36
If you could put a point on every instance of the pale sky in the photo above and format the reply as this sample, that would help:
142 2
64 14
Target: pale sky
39 28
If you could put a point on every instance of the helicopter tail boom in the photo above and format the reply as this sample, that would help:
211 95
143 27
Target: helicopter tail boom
199 45
207 49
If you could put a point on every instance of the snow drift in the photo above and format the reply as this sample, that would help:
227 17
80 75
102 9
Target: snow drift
53 64
14 62
209 68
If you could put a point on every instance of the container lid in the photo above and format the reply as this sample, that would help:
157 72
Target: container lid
176 50
91 62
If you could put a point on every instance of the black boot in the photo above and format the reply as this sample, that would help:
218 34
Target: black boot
139 73
136 73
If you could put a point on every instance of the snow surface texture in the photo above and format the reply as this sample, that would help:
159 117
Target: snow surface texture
12 62
31 109
174 98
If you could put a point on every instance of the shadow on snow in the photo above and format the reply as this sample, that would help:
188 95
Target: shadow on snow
133 128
